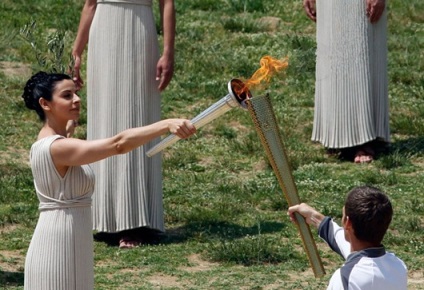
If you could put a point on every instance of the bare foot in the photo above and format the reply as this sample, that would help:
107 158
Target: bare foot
128 243
365 154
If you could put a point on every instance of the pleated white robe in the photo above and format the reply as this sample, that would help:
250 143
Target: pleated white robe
60 255
351 94
122 93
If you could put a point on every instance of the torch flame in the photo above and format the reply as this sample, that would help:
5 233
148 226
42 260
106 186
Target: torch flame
269 66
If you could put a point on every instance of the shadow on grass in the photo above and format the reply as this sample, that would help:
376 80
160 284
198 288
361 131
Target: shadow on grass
208 230
393 155
218 230
399 153
11 279
232 243
414 146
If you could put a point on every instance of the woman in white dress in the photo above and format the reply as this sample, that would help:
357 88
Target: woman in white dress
351 91
60 255
124 60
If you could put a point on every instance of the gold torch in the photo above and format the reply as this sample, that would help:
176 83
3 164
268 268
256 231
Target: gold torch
263 116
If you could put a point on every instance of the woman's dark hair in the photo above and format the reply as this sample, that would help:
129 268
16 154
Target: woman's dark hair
41 85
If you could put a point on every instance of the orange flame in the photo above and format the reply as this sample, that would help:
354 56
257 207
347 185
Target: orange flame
269 66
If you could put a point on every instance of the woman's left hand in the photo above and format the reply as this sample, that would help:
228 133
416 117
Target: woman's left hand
164 71
375 9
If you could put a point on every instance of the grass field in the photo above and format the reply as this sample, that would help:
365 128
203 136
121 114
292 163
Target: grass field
225 214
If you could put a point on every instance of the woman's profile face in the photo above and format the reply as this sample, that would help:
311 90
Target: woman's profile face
65 102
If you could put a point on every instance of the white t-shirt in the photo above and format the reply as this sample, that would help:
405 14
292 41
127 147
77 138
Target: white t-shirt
369 269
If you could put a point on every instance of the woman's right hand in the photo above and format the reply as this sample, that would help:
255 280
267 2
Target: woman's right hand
310 8
375 9
181 127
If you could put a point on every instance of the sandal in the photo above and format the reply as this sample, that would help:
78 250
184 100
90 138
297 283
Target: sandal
128 243
365 154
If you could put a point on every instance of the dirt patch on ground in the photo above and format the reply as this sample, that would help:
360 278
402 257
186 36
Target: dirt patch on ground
270 23
416 279
198 265
237 126
15 69
7 228
206 161
11 261
109 263
165 281
13 155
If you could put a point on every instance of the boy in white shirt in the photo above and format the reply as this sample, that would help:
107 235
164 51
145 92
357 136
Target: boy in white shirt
367 214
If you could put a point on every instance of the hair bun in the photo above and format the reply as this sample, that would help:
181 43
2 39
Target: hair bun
30 87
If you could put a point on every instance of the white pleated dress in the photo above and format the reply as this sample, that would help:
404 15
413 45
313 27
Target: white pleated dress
60 255
351 94
122 93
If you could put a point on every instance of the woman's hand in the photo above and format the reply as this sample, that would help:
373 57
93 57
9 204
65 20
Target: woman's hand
164 71
181 127
75 73
70 128
375 9
310 8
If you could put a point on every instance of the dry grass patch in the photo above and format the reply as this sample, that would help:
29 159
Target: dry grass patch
165 281
13 155
199 265
15 69
12 261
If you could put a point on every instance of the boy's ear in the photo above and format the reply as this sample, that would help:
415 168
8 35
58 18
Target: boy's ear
347 223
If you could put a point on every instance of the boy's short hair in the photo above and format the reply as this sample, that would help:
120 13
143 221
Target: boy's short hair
370 211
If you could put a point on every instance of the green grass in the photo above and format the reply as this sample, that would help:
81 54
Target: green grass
225 213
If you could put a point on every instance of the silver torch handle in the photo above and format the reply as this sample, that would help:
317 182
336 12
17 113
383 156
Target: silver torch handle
230 101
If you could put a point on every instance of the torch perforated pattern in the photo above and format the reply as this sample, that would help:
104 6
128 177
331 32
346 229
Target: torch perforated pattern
263 116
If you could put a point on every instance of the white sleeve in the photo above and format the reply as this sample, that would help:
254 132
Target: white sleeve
333 234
